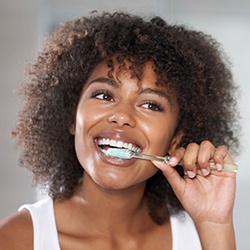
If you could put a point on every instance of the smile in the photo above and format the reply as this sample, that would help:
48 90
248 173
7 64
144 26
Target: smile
105 143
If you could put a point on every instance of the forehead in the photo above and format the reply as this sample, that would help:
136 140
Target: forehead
125 71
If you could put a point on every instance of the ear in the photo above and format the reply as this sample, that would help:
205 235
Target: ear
72 129
175 140
72 126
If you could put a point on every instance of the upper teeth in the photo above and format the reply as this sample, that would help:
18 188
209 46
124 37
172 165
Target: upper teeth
118 144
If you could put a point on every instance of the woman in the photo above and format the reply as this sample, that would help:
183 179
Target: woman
118 81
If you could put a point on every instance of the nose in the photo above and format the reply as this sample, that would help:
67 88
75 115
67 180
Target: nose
123 115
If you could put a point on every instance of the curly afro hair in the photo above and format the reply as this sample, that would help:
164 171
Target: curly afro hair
190 62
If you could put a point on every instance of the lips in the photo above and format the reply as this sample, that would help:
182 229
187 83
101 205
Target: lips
121 140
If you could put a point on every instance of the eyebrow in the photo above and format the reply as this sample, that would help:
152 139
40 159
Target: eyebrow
158 92
109 81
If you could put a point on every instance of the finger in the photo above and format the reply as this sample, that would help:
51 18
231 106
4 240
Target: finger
206 152
175 180
221 154
189 160
176 156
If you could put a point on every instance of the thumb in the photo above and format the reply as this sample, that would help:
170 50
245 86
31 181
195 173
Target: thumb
175 180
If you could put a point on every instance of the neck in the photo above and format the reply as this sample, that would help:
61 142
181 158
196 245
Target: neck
109 211
114 207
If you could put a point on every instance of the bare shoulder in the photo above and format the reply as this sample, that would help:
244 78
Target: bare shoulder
16 231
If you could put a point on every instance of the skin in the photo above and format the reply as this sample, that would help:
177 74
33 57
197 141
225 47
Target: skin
109 210
214 192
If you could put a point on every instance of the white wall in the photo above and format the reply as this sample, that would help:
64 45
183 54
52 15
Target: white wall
18 33
22 27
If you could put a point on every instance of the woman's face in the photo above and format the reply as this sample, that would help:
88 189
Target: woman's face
121 113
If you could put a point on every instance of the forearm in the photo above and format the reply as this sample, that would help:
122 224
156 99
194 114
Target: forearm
217 236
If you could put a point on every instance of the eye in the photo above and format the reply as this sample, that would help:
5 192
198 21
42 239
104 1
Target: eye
151 105
103 95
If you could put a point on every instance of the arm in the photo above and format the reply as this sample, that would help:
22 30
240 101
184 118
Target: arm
16 232
217 236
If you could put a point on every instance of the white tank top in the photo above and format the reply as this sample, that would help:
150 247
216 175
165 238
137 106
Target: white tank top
184 234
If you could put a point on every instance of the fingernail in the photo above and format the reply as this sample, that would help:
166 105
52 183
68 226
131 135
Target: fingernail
173 161
204 172
190 174
218 166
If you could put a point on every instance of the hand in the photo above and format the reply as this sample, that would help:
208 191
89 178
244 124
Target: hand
208 196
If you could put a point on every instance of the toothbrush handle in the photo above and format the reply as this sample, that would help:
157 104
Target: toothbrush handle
151 157
228 166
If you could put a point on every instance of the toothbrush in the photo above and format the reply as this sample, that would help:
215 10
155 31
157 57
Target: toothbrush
126 154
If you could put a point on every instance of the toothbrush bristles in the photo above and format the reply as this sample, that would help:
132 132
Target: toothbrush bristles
121 153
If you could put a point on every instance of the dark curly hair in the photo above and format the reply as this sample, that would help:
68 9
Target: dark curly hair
190 62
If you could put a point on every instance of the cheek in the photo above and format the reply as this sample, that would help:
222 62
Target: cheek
160 134
87 125
161 143
86 118
82 140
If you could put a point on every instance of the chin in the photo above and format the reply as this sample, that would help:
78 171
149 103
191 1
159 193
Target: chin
113 182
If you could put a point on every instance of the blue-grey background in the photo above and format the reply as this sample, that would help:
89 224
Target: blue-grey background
23 25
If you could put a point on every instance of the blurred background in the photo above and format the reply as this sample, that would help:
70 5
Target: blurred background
23 26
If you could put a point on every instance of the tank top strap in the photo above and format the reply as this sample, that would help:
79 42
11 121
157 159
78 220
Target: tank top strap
44 224
184 233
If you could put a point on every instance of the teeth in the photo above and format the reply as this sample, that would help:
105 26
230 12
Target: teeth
117 144
113 143
120 144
